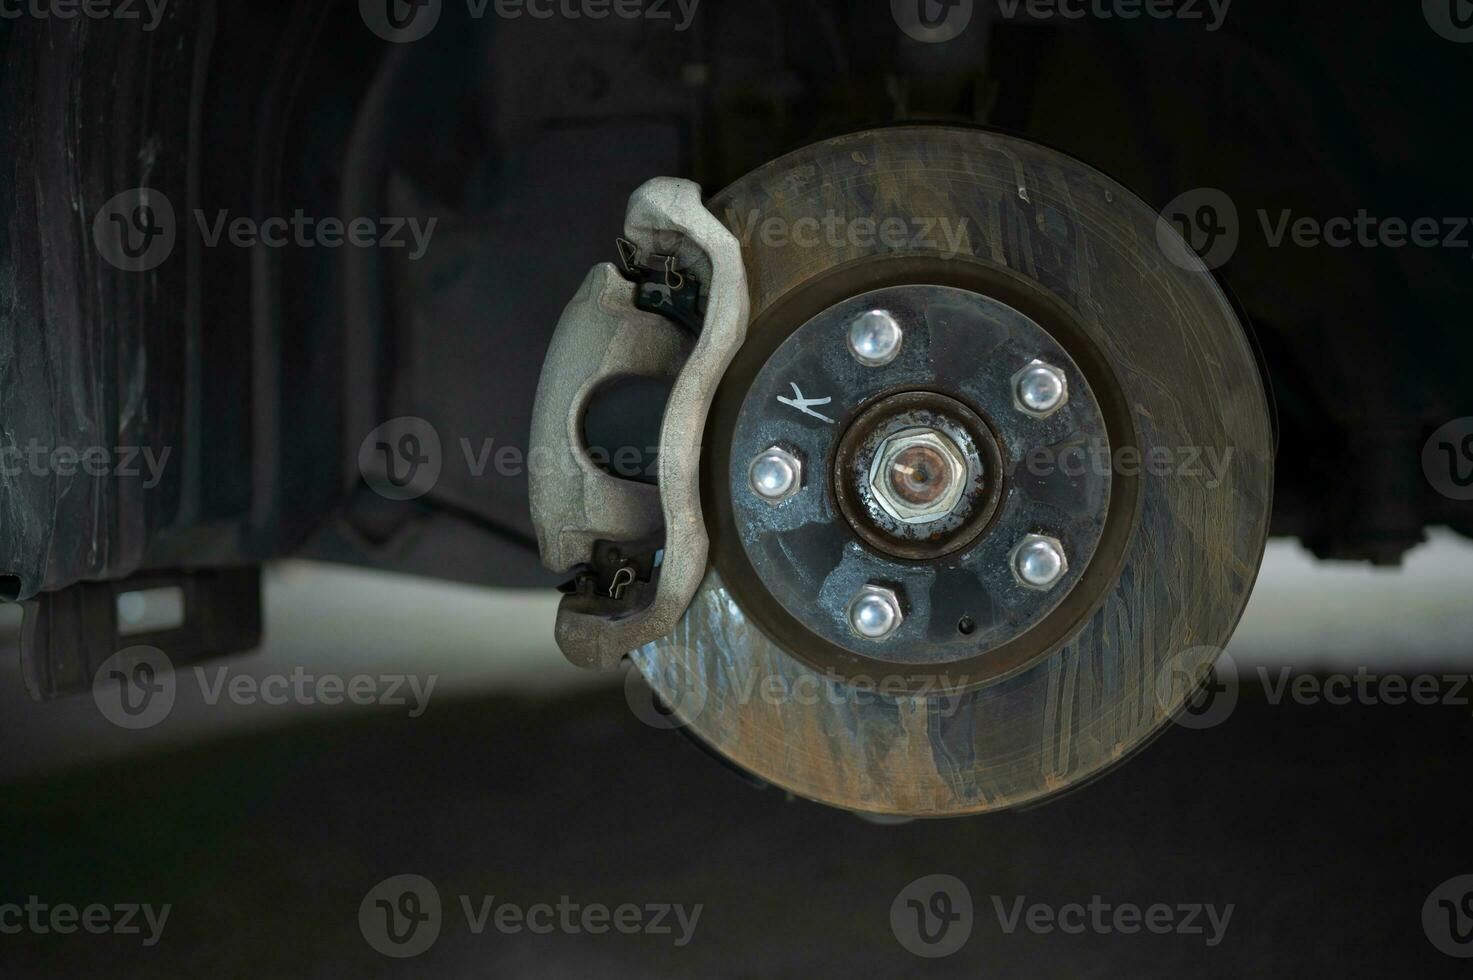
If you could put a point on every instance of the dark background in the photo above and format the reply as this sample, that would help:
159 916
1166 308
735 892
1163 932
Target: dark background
1325 827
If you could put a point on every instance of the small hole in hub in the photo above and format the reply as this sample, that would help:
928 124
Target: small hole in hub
966 625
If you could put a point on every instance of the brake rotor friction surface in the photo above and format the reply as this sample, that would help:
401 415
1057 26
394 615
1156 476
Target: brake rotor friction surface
1164 354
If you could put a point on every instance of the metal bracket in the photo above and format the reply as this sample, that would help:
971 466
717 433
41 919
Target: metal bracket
601 337
68 634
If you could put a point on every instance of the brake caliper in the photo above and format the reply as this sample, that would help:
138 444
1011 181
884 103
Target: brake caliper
638 552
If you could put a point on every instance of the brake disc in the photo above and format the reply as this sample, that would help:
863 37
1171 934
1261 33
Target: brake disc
986 485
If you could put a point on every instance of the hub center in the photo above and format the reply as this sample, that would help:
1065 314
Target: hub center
918 475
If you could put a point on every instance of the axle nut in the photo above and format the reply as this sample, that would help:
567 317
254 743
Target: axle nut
918 475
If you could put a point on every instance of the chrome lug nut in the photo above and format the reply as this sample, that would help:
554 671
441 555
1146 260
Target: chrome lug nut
775 475
1039 562
875 338
1040 389
874 613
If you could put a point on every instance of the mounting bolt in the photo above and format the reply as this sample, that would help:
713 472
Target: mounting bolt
874 613
1040 389
1038 562
874 338
775 475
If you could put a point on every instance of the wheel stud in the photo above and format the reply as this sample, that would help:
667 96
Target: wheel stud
1040 389
1038 561
874 613
775 475
874 338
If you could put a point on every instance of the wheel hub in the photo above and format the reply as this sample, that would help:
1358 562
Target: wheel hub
902 404
917 475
